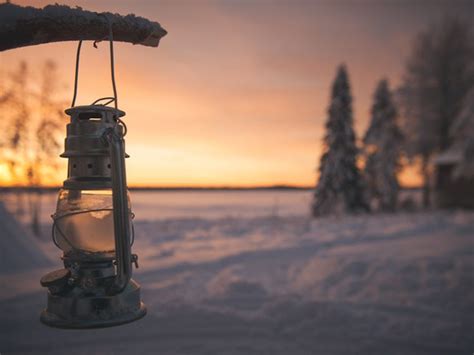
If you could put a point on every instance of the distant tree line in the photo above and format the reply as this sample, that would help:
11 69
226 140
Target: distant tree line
431 110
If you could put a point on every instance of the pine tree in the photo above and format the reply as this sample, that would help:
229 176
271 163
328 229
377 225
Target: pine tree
340 186
383 148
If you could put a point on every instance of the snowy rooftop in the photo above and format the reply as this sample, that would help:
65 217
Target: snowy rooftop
453 155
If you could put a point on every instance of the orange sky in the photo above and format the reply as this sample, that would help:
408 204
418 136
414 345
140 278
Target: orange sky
237 92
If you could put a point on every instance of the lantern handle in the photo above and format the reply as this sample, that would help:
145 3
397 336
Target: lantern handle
112 68
123 255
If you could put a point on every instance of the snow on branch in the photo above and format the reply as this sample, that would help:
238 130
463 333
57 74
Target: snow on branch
27 26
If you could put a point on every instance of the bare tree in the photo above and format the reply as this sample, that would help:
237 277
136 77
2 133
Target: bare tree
462 131
43 164
438 76
5 95
35 119
18 115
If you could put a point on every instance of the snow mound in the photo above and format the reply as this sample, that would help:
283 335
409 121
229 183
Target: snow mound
19 250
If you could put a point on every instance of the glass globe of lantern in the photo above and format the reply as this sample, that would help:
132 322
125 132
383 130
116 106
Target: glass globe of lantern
84 223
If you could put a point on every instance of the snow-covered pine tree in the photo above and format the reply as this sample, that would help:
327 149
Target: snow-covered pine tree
383 141
340 186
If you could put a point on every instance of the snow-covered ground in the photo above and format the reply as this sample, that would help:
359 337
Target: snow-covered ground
381 284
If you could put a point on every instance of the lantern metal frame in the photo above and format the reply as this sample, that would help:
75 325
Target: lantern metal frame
96 289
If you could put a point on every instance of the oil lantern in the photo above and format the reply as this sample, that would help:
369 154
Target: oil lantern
92 224
93 227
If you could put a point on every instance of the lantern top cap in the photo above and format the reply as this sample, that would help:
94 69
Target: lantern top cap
94 109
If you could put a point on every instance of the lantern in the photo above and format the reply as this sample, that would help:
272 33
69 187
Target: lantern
93 227
93 222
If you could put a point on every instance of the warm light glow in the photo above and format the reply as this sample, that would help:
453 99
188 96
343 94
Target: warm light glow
410 176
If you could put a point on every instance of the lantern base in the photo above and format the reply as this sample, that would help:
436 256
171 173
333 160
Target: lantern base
75 310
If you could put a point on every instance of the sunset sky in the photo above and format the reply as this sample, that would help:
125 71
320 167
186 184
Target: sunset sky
237 92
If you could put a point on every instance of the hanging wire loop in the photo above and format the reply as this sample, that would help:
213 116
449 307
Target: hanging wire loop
76 75
113 99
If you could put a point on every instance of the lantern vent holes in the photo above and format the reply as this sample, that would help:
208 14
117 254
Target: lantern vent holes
90 116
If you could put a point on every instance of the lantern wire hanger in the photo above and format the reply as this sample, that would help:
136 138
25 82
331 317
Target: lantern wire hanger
108 99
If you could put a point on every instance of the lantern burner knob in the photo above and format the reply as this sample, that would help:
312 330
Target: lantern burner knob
56 281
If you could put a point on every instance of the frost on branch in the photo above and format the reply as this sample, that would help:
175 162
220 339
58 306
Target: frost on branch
27 26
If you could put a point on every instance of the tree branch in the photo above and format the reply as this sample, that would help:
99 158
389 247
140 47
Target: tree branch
28 26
